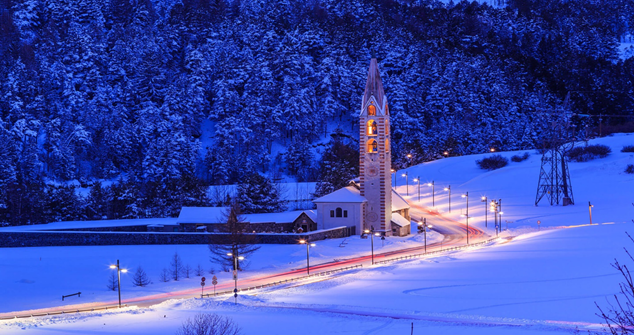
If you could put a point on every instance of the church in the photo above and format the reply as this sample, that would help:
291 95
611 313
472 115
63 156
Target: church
369 203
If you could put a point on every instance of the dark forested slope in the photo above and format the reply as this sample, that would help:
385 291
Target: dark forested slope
118 90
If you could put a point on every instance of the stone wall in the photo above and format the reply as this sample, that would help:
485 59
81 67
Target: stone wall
77 238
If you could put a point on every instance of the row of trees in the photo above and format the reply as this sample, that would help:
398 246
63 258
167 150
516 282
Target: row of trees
168 95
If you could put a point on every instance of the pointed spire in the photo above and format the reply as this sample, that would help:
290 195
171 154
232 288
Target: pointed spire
374 86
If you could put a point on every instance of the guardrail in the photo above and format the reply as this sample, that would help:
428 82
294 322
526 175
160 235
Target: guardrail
285 281
78 294
69 311
435 252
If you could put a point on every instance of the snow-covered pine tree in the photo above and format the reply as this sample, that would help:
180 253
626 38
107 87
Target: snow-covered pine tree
258 194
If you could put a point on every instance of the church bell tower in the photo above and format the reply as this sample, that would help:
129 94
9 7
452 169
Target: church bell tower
375 162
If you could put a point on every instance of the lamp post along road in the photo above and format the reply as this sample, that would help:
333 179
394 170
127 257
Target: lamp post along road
433 194
308 245
372 233
485 200
417 179
448 188
466 195
119 270
406 182
422 225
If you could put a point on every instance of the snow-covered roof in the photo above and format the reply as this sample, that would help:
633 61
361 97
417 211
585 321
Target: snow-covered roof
202 215
284 217
346 194
399 220
92 224
398 202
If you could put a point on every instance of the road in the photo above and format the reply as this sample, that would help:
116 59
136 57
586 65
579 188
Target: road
455 235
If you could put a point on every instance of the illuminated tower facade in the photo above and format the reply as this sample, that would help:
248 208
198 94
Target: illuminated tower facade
375 162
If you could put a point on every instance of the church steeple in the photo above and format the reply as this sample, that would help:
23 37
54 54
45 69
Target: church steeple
374 159
374 85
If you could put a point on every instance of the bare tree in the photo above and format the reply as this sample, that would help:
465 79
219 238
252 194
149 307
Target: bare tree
619 317
209 324
199 270
176 266
187 270
112 281
165 276
140 278
238 242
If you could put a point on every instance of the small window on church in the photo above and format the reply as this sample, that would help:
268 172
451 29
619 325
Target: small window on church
345 214
372 146
332 214
371 110
338 212
372 128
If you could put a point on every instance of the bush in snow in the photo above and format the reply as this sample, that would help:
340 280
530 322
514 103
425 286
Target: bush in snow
518 158
140 278
629 169
209 324
588 153
628 148
492 162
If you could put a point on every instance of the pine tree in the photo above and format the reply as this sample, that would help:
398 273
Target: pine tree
258 195
238 241
140 278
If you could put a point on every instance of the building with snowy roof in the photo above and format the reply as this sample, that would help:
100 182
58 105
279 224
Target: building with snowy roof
214 219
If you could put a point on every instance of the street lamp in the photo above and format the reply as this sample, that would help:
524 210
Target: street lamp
433 194
466 195
494 210
119 270
485 200
235 273
372 234
417 179
448 188
423 226
308 245
406 182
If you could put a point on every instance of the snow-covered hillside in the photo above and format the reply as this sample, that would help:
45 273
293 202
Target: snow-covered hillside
535 283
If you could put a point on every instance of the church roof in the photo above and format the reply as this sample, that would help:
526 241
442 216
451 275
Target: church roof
398 202
374 85
346 194
399 220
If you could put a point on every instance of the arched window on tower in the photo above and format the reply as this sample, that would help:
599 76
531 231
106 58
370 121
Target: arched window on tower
387 127
372 128
371 110
387 111
387 145
372 146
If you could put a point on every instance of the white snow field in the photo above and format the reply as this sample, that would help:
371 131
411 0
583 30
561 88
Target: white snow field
535 283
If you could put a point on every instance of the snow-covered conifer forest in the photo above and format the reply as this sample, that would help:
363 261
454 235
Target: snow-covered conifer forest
144 103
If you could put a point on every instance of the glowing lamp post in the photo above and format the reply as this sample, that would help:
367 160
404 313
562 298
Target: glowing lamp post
466 196
406 182
308 245
372 234
235 273
485 200
448 189
119 270
433 194
417 179
423 226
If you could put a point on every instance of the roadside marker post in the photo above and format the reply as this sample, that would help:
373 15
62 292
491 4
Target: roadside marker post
202 287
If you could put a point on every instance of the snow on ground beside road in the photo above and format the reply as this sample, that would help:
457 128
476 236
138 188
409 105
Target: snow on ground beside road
37 277
602 181
539 283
